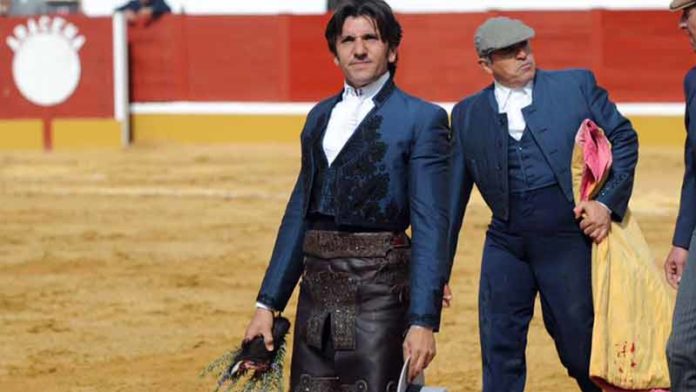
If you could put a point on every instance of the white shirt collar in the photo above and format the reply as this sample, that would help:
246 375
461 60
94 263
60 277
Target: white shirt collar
503 93
365 92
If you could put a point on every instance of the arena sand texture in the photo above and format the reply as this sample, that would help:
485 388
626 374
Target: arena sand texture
131 270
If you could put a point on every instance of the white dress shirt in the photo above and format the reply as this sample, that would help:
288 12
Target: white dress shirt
348 114
511 101
355 104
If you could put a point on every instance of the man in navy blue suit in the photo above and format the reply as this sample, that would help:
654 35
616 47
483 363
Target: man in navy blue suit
514 140
680 266
374 161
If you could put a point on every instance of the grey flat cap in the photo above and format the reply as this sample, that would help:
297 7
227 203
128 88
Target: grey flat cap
677 5
501 32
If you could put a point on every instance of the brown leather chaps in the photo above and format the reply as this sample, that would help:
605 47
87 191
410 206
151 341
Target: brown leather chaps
351 314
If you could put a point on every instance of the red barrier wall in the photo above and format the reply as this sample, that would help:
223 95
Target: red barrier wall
639 56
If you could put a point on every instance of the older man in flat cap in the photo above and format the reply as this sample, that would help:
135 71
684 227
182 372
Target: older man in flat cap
514 140
680 265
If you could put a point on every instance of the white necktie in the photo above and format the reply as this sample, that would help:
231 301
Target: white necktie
516 124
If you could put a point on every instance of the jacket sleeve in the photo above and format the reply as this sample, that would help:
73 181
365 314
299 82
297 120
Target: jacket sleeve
624 148
460 185
159 7
286 265
428 176
686 220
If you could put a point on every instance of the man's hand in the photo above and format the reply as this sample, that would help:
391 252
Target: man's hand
261 325
419 345
674 265
595 219
447 297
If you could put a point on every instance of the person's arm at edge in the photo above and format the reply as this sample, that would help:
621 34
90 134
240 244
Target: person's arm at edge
686 219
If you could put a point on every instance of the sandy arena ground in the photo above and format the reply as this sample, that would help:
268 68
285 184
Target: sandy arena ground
131 270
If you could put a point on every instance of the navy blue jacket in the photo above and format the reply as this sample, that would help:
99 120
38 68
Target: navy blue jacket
686 220
561 101
159 7
392 173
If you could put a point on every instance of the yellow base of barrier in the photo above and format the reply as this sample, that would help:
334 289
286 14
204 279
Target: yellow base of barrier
652 130
219 129
215 129
65 134
21 135
660 131
86 133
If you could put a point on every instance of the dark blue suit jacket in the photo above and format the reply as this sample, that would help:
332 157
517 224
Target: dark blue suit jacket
392 173
686 221
561 101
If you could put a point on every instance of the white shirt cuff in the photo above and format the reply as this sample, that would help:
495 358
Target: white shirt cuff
605 206
264 306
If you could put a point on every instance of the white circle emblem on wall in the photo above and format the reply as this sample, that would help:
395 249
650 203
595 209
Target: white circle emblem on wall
46 65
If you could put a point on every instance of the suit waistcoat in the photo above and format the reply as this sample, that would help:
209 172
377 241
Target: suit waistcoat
323 200
528 168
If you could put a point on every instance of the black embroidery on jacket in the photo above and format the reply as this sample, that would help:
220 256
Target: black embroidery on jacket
365 181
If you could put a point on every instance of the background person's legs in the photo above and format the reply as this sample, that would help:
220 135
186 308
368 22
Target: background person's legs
681 348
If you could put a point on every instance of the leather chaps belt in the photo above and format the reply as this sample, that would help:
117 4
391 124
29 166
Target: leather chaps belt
339 244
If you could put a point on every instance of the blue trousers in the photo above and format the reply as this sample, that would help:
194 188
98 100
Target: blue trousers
681 348
539 249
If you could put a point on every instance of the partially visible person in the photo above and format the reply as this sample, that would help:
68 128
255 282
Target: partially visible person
680 265
144 11
5 7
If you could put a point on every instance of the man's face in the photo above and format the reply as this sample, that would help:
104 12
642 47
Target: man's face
513 66
360 52
688 24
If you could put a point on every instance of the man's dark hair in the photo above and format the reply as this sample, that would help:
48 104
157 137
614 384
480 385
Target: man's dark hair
378 11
